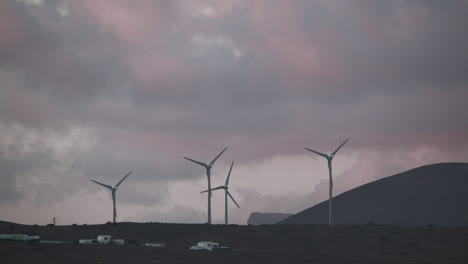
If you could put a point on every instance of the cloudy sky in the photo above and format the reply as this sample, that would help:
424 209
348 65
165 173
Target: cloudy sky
91 89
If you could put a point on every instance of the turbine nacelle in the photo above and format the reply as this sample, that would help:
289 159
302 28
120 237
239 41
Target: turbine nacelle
329 157
224 187
207 166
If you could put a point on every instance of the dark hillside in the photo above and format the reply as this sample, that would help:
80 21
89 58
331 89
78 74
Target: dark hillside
434 194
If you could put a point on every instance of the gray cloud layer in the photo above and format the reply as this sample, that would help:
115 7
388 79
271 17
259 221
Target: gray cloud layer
147 83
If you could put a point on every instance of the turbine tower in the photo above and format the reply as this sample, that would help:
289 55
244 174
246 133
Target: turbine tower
113 190
329 159
208 166
226 193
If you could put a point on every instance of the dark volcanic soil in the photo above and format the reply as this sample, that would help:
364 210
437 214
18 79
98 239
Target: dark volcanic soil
251 244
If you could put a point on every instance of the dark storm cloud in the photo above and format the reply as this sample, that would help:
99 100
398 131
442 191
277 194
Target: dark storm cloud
391 42
364 44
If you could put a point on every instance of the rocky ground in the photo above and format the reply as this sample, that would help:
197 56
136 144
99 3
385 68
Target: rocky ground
251 244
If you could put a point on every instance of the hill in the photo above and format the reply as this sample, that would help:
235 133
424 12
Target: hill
257 218
434 194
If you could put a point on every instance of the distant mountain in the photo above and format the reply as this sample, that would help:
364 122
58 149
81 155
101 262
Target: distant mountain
257 218
434 194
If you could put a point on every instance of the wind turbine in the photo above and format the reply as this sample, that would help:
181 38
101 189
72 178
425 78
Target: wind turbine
208 174
226 193
113 190
329 159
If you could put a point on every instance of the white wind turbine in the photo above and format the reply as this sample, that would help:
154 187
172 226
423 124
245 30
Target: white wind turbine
113 190
329 159
208 174
226 193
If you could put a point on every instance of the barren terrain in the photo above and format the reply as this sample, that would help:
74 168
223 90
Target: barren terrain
251 244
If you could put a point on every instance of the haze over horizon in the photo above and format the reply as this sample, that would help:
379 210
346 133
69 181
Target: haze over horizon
91 89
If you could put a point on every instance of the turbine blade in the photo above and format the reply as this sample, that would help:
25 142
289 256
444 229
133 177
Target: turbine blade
197 162
102 184
117 185
229 174
334 152
214 189
214 160
232 198
318 153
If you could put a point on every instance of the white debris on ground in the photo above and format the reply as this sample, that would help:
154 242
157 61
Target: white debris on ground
119 242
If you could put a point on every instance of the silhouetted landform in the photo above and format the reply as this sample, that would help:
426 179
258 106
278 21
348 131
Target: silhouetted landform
257 218
250 244
435 194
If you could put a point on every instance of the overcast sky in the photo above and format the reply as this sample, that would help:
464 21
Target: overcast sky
91 89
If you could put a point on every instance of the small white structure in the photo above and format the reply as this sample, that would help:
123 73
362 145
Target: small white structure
118 242
104 239
205 245
54 242
158 245
7 236
208 245
19 237
88 241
